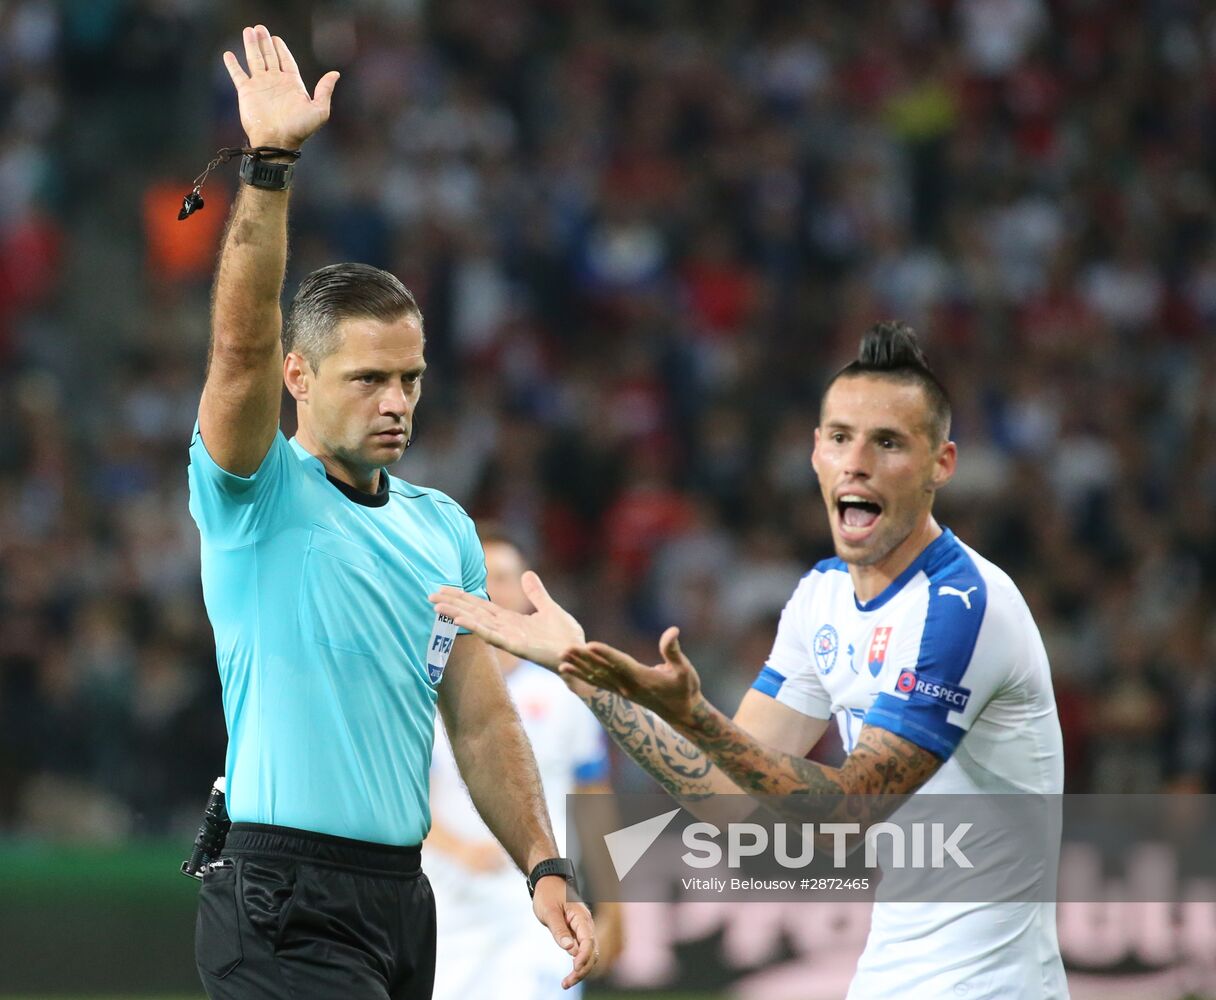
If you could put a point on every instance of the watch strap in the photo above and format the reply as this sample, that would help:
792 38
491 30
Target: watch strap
264 174
553 866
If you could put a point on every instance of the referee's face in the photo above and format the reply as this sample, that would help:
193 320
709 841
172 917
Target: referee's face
879 468
357 407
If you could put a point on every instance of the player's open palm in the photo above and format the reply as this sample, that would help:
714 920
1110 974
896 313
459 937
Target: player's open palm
542 637
276 109
670 688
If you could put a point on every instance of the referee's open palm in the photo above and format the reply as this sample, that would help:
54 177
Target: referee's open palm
542 637
275 107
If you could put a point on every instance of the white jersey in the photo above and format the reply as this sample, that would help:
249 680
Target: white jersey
489 942
949 658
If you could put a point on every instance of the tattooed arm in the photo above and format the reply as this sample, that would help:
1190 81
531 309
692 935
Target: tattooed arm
676 762
669 758
881 766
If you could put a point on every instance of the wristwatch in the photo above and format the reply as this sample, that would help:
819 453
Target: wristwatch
553 866
260 173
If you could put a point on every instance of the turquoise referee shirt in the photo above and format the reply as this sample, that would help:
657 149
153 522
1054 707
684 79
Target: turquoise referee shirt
329 652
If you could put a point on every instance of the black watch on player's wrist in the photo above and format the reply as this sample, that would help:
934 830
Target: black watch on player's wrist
553 866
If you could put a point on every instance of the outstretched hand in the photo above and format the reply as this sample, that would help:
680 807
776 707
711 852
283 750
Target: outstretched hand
670 689
275 107
543 636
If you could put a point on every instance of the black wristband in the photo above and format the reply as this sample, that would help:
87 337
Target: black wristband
260 173
553 866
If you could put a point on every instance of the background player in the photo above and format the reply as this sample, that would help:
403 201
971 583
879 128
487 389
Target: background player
487 945
316 566
924 651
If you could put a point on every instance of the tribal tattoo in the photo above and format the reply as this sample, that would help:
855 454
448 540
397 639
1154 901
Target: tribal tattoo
666 756
881 767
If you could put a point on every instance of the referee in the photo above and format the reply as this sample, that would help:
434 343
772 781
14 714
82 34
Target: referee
316 569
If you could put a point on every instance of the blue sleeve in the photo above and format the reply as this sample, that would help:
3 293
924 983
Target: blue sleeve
592 771
593 765
927 703
768 681
472 560
233 510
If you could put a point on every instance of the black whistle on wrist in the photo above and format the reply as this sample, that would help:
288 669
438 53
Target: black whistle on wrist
190 204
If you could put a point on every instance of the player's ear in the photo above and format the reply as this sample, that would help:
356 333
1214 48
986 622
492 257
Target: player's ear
815 453
945 464
297 375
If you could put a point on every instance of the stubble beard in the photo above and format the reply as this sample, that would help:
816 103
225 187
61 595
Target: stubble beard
879 547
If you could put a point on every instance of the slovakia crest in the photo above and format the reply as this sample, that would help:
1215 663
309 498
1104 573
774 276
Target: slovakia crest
877 657
827 645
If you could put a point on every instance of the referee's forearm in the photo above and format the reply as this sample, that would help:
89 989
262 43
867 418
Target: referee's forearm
500 772
245 310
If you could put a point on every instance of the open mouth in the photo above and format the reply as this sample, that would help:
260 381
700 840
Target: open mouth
856 512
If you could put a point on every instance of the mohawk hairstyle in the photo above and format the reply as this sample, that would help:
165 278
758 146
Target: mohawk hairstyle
890 350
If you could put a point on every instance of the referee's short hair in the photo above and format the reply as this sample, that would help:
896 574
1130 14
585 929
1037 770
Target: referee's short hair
338 292
891 350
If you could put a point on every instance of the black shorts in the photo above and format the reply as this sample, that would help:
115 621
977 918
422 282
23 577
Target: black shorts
299 915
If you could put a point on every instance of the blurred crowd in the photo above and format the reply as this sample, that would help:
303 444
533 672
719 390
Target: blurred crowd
643 233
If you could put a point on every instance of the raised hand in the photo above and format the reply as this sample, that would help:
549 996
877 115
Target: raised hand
543 636
275 107
670 689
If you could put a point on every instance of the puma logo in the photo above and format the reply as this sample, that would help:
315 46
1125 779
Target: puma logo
963 595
